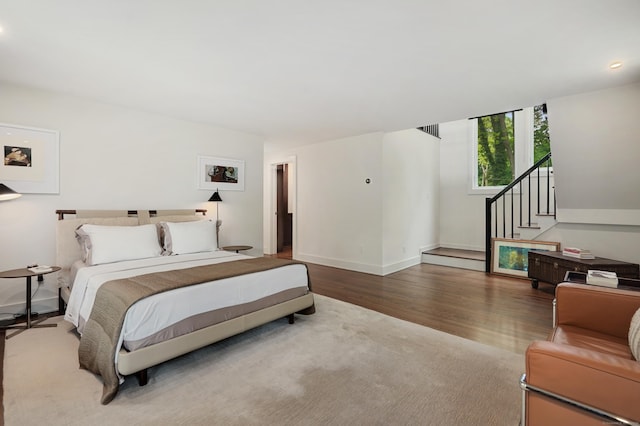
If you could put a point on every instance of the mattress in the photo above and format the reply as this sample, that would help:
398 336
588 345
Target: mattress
177 312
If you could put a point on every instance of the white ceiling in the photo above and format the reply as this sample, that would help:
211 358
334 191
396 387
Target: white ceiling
300 71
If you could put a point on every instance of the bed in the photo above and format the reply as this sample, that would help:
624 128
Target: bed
143 287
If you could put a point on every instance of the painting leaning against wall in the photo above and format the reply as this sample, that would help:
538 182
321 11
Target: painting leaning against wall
510 257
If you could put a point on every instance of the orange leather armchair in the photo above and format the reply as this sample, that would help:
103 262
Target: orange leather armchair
585 373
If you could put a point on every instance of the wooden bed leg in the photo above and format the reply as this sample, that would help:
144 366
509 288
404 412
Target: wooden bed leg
142 377
292 318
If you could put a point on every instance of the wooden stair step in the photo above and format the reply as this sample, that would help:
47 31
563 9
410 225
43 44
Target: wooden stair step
458 253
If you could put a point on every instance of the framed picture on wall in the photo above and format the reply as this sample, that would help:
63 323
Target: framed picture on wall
511 257
225 174
31 159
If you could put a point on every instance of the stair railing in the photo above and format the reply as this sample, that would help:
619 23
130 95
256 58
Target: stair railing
544 206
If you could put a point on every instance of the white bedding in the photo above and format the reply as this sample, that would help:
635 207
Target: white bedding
162 310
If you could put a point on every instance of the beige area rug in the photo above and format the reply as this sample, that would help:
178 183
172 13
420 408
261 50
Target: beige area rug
345 365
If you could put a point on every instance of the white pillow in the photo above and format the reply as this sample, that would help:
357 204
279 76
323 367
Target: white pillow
189 237
634 335
107 244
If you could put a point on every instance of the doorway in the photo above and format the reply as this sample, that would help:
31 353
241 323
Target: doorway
284 213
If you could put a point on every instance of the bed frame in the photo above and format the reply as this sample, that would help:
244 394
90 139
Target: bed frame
137 362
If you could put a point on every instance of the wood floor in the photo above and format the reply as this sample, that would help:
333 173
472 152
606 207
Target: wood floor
498 311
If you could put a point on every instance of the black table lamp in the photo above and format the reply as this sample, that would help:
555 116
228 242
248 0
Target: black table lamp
216 199
7 193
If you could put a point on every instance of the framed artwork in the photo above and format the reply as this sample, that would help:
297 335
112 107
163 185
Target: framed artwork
31 159
225 174
511 257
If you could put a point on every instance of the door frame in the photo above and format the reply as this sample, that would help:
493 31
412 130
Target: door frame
291 163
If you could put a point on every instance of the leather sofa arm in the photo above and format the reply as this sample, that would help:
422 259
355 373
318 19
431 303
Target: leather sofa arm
596 379
601 309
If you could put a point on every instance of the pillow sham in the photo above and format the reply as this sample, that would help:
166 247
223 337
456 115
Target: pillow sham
189 237
107 244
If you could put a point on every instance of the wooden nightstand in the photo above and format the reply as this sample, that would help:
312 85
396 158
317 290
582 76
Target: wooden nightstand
236 248
26 273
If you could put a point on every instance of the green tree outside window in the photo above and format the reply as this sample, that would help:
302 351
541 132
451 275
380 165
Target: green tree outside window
495 149
496 146
541 144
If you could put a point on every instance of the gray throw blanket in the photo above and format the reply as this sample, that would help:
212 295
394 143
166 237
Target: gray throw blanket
100 337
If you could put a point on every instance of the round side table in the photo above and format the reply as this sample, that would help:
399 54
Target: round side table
236 248
26 273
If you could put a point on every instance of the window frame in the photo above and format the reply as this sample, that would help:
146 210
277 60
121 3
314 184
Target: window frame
523 151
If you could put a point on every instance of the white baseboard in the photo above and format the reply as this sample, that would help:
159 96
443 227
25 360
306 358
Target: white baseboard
360 267
398 266
40 305
427 248
342 264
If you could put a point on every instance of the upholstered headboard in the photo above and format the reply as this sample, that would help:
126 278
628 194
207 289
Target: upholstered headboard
67 247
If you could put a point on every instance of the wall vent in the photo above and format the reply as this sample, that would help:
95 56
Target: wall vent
432 129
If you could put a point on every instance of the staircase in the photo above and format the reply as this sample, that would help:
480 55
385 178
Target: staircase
523 210
533 231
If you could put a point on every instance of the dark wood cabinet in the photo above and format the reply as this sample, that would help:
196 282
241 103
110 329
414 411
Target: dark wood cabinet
551 266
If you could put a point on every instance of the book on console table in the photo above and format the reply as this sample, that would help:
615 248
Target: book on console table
577 253
602 278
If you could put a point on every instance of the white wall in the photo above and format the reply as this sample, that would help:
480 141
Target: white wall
594 140
461 214
342 221
619 242
118 158
595 143
411 167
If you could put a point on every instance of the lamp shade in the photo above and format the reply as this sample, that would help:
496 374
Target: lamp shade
215 197
7 193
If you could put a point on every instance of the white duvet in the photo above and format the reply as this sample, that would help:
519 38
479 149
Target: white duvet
157 312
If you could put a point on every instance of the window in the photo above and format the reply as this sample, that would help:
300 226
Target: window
507 144
496 149
541 145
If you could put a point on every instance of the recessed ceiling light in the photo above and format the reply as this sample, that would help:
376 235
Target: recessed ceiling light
615 65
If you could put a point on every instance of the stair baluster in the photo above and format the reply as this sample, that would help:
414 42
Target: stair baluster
492 221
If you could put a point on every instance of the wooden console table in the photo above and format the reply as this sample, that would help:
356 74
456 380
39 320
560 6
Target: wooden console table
551 266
